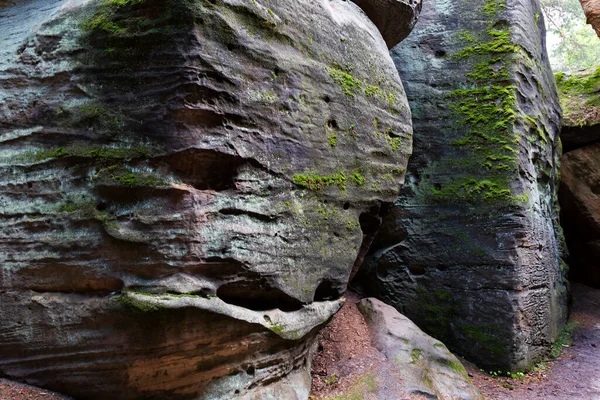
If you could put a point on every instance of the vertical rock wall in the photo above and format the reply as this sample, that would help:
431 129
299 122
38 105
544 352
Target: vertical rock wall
185 186
472 250
580 185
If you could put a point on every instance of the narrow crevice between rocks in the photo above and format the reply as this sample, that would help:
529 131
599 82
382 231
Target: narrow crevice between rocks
257 297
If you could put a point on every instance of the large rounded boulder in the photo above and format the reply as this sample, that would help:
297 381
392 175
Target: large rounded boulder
185 187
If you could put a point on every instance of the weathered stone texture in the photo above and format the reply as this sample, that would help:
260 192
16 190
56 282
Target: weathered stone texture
591 8
426 366
580 210
471 252
395 19
185 187
580 100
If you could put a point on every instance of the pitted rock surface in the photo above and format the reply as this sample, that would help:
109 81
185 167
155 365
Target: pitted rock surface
185 187
472 252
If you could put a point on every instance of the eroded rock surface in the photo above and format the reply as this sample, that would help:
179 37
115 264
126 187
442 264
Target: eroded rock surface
580 209
591 8
579 187
185 187
472 251
395 19
425 365
580 102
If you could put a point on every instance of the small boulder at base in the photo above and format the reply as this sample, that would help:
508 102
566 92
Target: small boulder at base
426 365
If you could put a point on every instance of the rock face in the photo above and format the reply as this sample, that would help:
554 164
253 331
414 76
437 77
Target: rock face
580 209
427 367
591 8
395 19
579 200
472 251
185 187
580 101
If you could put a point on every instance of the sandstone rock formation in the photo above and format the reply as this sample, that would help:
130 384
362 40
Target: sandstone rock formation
580 102
426 366
472 251
395 19
580 209
591 8
185 187
579 200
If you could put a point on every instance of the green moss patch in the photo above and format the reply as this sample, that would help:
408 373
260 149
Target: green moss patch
579 95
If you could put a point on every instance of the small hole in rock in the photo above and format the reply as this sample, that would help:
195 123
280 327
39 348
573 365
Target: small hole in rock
437 186
346 206
101 206
332 123
440 53
237 391
327 290
29 184
251 370
327 99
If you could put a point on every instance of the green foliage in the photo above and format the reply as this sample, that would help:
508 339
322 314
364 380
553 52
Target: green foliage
130 178
573 44
564 339
485 107
103 18
277 328
579 95
137 305
332 140
371 91
319 182
579 83
416 354
500 43
485 337
104 153
349 84
358 179
456 366
470 189
493 7
362 387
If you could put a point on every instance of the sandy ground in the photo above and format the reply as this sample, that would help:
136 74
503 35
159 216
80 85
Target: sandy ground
16 391
575 375
345 356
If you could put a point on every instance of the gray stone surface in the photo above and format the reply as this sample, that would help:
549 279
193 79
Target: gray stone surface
425 365
185 187
395 19
472 252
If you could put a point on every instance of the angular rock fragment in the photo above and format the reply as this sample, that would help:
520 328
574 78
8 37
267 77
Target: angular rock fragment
426 366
